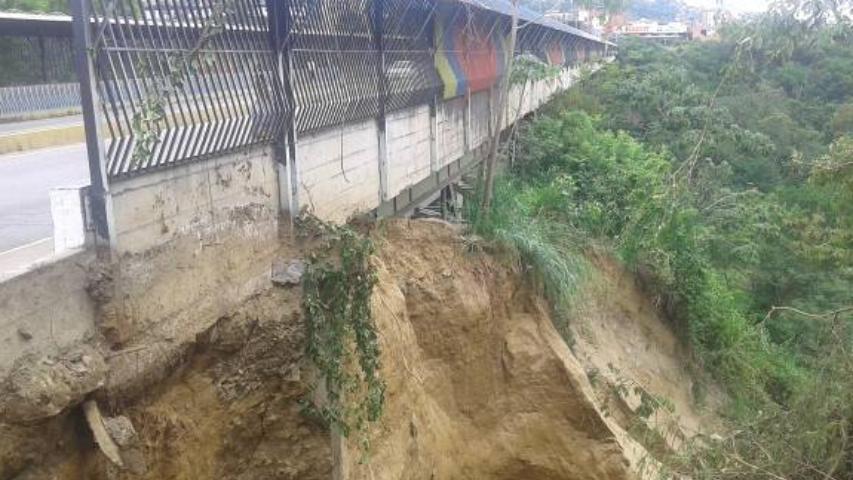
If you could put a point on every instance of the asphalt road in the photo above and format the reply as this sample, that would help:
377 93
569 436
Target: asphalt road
25 180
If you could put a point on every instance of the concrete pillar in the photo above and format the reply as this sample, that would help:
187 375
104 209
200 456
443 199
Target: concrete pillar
69 224
433 135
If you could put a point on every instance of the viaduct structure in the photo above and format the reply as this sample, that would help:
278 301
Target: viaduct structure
210 121
349 104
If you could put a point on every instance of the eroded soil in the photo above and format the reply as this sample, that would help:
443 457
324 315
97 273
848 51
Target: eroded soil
480 385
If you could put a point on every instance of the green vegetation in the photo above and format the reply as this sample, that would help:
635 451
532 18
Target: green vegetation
39 6
341 337
724 172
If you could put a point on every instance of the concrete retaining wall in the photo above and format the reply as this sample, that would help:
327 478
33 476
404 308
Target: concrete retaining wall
481 108
338 171
409 148
450 131
194 241
199 200
46 309
343 172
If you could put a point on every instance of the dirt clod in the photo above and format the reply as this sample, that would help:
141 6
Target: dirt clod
42 387
287 273
121 430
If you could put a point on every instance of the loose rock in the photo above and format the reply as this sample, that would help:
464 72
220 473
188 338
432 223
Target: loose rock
42 387
287 274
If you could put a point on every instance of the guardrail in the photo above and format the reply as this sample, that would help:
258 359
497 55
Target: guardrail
38 100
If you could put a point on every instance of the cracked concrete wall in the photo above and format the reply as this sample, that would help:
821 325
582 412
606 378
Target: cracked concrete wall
46 309
200 199
193 242
196 239
339 170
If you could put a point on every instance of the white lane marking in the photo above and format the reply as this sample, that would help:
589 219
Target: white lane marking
27 246
24 153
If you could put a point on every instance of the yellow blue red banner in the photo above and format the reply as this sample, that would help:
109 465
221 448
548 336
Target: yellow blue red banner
470 54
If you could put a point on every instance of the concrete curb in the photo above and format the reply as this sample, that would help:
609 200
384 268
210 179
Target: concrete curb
41 138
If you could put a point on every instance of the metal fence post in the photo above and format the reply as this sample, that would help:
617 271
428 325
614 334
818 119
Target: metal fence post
280 25
99 199
377 15
433 134
466 118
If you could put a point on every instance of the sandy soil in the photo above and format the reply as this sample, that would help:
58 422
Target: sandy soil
230 412
480 385
632 355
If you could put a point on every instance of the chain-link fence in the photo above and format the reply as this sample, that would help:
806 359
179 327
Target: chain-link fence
37 76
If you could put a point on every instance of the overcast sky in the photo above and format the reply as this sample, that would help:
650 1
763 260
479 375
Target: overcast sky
735 5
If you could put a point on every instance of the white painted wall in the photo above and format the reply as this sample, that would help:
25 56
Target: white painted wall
409 153
480 112
450 131
338 171
67 213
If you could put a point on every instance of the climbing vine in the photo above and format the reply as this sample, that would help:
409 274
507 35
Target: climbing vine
151 117
341 336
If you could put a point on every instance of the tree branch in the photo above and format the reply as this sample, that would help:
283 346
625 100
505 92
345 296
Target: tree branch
825 315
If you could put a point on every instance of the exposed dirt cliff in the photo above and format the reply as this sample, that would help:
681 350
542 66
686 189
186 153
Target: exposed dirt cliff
480 385
230 411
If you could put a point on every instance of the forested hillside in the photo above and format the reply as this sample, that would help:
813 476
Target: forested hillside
722 173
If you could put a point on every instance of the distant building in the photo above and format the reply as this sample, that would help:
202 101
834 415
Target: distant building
588 19
658 31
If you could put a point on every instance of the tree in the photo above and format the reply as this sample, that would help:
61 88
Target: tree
842 122
503 95
659 10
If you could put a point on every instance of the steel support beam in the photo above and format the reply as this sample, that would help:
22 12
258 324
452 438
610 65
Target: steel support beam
377 14
99 199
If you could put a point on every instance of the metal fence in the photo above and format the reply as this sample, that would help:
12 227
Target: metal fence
335 62
407 43
23 101
182 79
37 76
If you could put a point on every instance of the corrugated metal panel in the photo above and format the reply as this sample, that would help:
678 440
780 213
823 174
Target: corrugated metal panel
505 7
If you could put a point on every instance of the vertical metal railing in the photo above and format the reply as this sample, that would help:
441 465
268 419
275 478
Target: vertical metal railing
182 79
35 60
99 200
409 69
165 82
334 62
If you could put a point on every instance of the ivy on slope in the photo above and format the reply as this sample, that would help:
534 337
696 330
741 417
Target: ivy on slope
342 340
